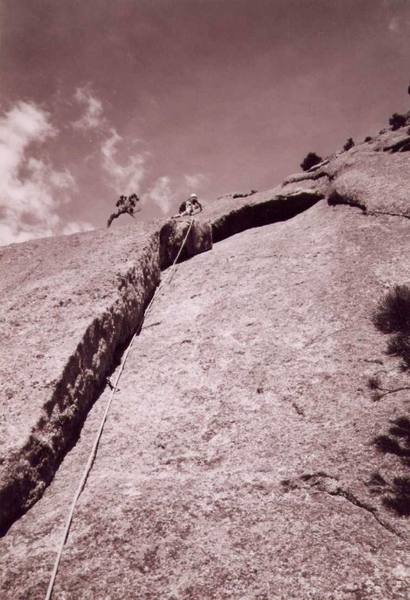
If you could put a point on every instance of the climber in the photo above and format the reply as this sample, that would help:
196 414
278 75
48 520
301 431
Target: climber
190 207
125 204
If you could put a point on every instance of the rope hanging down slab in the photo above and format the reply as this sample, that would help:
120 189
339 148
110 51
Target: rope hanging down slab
94 448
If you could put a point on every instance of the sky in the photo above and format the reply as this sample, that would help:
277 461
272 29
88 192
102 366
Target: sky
168 97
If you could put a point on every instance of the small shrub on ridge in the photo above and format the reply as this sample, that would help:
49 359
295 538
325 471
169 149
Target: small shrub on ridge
349 144
396 121
310 160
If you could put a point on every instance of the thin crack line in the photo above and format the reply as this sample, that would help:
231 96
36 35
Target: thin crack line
385 212
356 502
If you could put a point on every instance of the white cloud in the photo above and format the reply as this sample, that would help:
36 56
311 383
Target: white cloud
62 179
124 178
393 24
31 190
168 193
93 114
76 227
194 182
161 193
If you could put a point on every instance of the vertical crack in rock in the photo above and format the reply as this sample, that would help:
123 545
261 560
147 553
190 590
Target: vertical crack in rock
172 235
25 474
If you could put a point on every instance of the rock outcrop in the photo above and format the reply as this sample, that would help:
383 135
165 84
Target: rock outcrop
239 458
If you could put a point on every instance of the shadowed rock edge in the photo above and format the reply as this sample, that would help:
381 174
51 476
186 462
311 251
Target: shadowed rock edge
256 215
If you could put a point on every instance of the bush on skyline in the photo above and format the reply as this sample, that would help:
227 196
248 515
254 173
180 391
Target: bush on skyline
310 160
396 121
349 144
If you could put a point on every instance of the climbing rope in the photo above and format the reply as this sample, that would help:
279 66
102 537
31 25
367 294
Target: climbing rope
94 448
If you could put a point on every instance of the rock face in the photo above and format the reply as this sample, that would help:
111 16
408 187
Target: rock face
238 460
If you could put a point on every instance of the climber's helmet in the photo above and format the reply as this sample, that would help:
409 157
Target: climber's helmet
193 197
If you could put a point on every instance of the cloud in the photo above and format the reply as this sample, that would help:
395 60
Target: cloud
31 190
124 178
76 227
161 193
167 193
93 114
196 181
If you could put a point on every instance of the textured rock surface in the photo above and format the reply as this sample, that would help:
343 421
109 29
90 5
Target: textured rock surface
238 460
83 304
62 325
